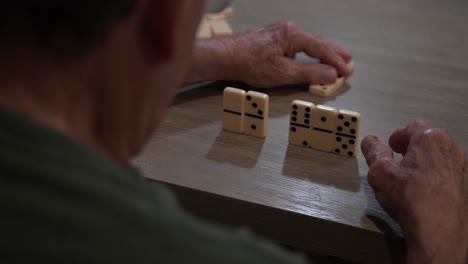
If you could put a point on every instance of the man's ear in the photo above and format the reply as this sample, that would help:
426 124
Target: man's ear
161 27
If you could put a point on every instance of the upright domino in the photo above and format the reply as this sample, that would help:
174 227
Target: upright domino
220 27
256 107
233 110
347 133
323 125
204 30
325 90
299 129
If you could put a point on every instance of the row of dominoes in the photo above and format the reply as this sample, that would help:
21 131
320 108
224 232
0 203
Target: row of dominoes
324 128
245 112
316 126
213 27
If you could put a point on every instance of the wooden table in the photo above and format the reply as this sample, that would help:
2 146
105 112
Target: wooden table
411 59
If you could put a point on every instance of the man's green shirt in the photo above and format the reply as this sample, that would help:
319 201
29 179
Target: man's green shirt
61 202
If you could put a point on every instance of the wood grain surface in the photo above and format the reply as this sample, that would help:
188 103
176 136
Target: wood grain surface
411 63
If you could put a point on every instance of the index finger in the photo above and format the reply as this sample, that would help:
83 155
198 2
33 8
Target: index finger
343 53
317 48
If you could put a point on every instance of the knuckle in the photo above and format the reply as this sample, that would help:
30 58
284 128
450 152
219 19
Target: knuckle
377 154
418 123
381 166
289 26
372 157
382 172
283 33
437 136
320 43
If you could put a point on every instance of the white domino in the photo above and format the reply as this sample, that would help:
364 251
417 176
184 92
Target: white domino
300 124
204 30
220 27
323 125
233 110
347 133
325 90
256 106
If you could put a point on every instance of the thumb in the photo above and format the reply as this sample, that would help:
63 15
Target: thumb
375 149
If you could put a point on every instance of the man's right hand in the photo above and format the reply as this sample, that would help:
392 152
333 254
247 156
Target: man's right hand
265 58
424 192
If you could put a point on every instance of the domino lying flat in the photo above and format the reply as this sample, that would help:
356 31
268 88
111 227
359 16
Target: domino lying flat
325 90
245 112
324 128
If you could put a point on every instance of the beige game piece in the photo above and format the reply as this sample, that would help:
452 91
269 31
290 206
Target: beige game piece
347 133
204 30
220 28
325 90
256 114
299 129
233 106
323 126
351 67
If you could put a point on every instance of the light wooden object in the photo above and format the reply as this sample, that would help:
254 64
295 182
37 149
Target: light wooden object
300 127
325 90
233 110
351 67
204 30
323 126
256 107
347 133
407 67
219 28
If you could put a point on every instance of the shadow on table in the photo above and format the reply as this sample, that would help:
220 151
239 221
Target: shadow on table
323 168
237 149
393 234
198 91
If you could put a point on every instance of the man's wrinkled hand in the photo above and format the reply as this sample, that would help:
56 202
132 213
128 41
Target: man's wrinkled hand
424 191
265 58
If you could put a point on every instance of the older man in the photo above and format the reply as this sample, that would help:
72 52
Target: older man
84 83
